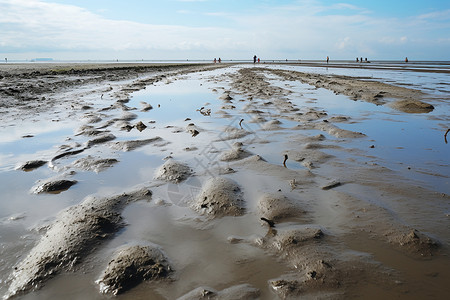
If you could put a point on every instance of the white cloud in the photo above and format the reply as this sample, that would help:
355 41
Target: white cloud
438 15
41 25
304 29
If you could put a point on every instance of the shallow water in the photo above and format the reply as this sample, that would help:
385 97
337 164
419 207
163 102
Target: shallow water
410 144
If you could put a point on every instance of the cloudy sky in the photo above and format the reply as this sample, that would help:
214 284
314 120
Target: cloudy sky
230 29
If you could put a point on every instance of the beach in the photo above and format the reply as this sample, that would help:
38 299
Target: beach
224 181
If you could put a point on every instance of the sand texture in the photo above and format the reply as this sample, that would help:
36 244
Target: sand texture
239 181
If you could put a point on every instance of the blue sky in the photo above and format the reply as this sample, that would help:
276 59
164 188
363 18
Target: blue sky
230 29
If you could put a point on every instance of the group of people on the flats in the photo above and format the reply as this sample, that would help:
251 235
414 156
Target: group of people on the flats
361 60
256 59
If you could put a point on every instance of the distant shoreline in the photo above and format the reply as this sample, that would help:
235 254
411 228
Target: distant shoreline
42 66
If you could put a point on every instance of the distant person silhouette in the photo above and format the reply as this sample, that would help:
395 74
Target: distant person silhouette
406 59
254 59
328 59
357 59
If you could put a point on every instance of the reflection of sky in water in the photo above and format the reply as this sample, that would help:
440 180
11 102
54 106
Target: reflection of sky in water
400 139
179 100
438 84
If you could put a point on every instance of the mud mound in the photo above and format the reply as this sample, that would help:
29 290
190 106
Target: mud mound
338 132
97 165
272 125
231 133
226 96
131 145
412 106
145 106
74 234
90 131
277 207
192 129
173 171
238 292
130 266
295 236
257 119
53 186
220 197
100 140
31 165
414 243
235 153
127 116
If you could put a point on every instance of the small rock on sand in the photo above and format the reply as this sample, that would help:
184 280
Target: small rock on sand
173 171
130 266
220 197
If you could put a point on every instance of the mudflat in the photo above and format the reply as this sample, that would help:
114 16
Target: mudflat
223 181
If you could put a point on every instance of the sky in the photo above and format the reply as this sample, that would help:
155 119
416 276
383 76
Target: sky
230 29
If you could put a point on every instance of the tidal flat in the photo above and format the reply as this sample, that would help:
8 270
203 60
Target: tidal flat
224 181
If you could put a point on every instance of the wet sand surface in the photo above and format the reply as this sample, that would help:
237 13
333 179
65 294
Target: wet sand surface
233 181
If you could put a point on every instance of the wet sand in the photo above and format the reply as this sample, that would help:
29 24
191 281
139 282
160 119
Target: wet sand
208 181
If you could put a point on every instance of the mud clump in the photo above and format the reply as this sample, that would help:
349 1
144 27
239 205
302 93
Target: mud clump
277 207
412 106
192 129
131 145
220 197
31 165
74 234
97 165
238 292
235 153
100 140
231 133
272 125
145 106
140 126
130 266
415 243
173 171
55 186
